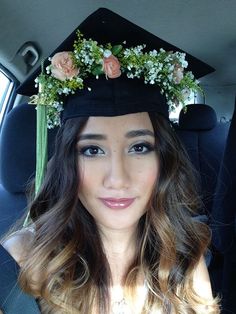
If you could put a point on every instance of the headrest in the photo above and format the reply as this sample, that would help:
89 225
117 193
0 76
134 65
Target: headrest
197 117
17 150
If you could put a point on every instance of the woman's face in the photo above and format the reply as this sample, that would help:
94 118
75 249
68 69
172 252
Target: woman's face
118 168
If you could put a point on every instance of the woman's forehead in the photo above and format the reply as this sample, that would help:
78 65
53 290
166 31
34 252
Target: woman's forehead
140 120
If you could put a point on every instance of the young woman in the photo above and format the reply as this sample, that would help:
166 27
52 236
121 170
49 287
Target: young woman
113 228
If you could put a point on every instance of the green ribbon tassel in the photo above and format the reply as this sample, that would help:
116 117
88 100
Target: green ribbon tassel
41 151
41 146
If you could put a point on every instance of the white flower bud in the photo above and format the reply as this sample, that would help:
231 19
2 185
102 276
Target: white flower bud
107 53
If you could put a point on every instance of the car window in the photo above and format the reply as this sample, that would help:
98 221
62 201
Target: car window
7 87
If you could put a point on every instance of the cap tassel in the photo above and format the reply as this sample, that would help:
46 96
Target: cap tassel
41 148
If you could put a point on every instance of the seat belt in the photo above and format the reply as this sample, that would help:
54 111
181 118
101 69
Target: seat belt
12 299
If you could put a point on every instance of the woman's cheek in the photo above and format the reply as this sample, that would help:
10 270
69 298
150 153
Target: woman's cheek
151 177
149 172
90 173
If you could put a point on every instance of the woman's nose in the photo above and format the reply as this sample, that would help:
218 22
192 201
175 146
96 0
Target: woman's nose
116 174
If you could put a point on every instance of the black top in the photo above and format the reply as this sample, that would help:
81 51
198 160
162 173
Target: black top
12 299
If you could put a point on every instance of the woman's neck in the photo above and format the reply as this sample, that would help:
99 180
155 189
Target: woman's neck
119 246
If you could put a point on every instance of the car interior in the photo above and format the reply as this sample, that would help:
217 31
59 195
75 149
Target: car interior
205 29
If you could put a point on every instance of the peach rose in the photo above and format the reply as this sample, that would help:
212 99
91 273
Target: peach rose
178 74
63 66
111 67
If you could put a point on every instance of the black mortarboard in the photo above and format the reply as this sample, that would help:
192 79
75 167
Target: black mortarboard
115 97
106 26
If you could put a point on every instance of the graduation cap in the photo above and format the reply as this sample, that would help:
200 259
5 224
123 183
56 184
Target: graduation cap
106 26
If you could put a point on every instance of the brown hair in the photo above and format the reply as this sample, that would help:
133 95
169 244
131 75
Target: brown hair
66 265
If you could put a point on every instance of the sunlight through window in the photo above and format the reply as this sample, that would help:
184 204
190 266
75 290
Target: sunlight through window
174 115
6 86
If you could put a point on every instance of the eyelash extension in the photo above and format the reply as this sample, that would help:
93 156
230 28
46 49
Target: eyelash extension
147 145
83 150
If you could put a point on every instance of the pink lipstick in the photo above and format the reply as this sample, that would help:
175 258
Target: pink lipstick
117 203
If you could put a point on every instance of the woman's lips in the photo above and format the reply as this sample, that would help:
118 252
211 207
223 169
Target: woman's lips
117 203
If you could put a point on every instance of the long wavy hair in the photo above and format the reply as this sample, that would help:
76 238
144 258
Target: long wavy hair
66 267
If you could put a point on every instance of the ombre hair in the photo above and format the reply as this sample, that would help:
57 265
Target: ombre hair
66 267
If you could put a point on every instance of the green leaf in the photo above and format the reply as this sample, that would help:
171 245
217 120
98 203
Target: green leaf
97 70
116 49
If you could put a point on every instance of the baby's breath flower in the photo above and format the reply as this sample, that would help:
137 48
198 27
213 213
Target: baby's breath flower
107 53
157 67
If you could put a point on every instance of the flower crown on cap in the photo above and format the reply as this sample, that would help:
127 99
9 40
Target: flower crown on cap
68 69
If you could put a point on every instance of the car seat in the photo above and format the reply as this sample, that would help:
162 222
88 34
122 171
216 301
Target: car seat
17 162
223 219
204 139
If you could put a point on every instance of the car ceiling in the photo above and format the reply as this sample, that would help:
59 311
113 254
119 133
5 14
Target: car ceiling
204 28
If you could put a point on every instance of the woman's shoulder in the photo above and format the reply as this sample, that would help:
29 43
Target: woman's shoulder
18 243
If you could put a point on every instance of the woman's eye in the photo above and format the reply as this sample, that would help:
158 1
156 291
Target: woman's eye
141 148
91 151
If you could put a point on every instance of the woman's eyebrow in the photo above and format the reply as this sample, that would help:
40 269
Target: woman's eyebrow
92 136
130 134
141 132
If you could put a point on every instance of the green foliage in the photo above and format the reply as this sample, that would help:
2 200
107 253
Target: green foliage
161 68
